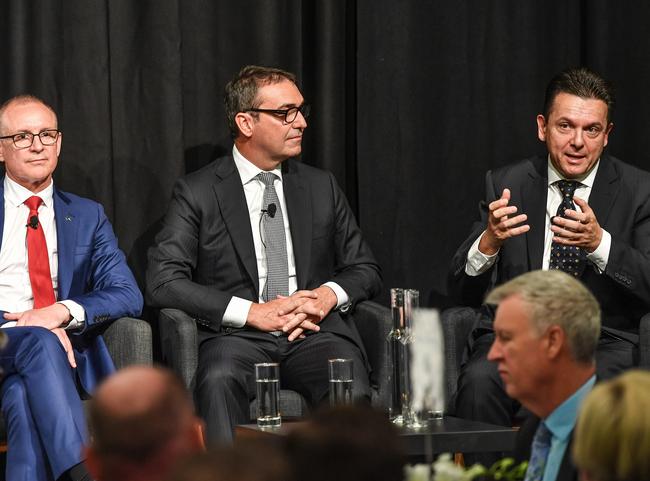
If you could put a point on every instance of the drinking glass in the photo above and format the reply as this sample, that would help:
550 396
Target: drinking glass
267 380
341 378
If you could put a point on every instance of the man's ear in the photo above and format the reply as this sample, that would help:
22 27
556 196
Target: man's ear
245 123
541 128
556 340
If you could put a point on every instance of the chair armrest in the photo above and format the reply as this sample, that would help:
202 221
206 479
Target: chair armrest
179 344
129 341
374 323
457 324
644 341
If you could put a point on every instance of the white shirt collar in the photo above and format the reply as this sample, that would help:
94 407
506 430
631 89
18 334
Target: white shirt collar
16 194
554 175
247 170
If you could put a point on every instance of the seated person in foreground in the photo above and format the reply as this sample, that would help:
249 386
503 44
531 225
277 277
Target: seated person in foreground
142 424
63 279
612 438
546 325
264 252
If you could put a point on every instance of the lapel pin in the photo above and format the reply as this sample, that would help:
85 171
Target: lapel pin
68 218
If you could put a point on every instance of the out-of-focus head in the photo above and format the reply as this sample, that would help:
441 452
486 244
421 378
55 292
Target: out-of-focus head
246 460
612 436
142 423
31 141
542 318
352 443
576 121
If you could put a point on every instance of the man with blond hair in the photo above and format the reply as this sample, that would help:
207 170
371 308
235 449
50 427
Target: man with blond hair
546 331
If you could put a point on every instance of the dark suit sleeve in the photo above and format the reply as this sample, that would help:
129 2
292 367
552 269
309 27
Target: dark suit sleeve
109 288
173 261
465 289
629 257
356 269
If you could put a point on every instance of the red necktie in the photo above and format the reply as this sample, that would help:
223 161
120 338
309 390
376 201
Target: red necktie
37 258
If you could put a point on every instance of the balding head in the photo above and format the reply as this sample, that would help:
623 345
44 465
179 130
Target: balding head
141 418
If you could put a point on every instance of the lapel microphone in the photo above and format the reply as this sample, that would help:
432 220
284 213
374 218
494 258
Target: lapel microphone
270 210
33 221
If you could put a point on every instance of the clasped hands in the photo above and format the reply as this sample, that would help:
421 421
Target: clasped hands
579 229
302 310
50 317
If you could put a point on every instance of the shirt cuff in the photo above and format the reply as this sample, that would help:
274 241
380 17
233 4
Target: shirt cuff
342 299
477 262
78 314
600 256
236 312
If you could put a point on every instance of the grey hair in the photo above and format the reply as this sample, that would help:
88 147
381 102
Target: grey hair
556 298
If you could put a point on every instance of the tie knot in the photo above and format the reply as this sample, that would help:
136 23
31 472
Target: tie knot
543 434
568 187
267 178
33 203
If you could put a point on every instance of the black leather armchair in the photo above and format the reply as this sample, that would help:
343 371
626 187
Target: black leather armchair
178 334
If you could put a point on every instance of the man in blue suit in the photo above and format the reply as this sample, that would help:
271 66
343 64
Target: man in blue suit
62 279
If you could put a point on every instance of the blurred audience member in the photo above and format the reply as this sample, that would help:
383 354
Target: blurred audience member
347 443
142 423
546 329
258 460
612 440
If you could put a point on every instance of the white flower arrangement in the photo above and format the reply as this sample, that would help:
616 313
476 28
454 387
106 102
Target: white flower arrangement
444 469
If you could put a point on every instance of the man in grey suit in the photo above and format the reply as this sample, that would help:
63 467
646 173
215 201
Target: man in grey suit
530 219
264 252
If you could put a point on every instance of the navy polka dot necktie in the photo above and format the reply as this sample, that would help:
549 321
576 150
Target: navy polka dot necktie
570 259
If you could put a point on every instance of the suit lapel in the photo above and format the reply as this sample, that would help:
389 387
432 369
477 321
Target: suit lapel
234 211
66 237
604 190
299 209
533 194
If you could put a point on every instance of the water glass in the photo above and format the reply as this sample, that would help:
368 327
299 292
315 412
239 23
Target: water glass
341 378
267 380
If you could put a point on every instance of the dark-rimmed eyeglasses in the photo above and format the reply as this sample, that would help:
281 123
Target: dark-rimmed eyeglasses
289 114
24 140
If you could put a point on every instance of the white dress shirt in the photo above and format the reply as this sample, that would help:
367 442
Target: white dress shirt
236 312
15 286
478 262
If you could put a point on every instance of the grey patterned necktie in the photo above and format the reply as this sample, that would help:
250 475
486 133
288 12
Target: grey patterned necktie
570 259
274 240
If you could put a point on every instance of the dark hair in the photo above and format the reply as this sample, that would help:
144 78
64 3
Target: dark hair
580 82
346 443
241 92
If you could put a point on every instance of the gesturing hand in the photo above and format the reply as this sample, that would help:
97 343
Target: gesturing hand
579 229
501 225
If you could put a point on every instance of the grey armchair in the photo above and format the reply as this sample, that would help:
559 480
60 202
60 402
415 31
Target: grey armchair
457 324
180 352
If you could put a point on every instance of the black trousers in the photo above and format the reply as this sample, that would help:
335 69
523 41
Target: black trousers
225 381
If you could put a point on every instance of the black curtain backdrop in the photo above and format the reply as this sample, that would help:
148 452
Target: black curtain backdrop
412 100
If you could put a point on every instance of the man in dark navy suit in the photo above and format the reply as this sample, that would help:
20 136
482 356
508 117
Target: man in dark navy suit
579 210
264 253
62 279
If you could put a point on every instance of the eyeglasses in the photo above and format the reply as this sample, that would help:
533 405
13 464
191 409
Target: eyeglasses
24 140
289 114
